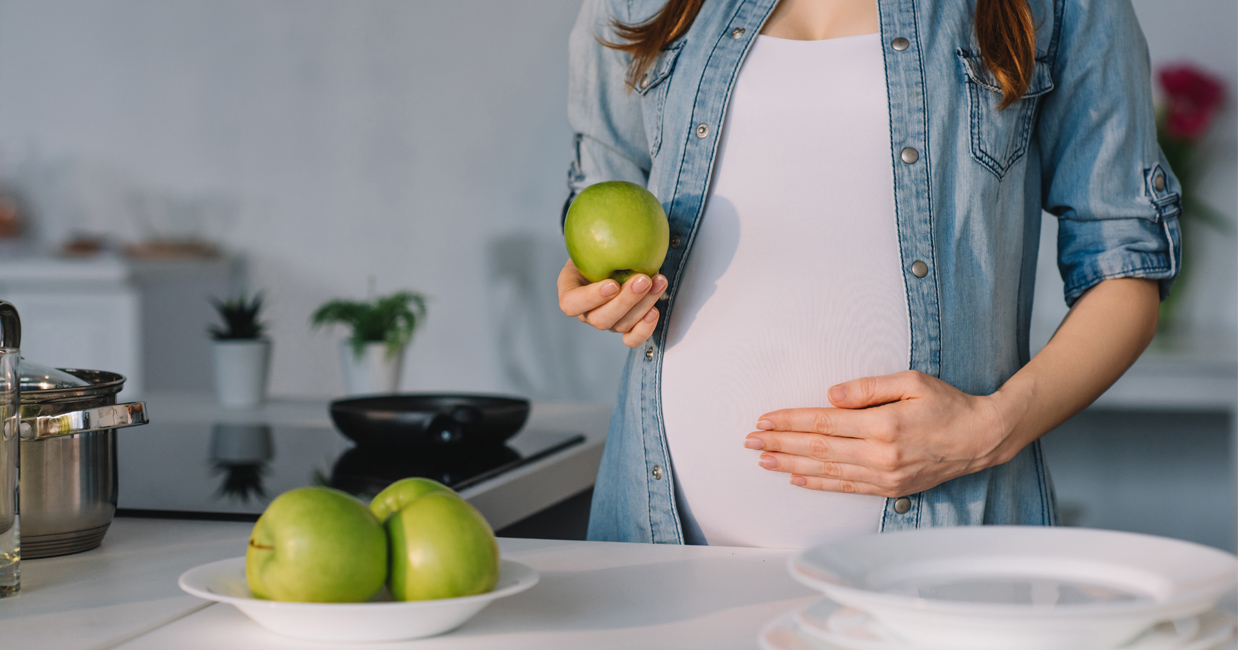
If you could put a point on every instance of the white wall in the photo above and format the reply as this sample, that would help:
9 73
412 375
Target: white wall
423 143
418 142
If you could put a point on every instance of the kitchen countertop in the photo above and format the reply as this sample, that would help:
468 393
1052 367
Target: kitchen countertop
594 595
1189 371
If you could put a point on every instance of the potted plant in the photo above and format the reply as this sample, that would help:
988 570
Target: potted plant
242 354
373 356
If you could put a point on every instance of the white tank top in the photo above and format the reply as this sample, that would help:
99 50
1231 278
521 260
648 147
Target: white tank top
794 284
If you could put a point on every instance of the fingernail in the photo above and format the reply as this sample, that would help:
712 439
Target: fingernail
754 443
799 480
610 288
765 425
838 393
659 283
767 462
640 284
651 315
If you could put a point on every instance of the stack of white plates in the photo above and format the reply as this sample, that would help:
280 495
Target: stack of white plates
1010 588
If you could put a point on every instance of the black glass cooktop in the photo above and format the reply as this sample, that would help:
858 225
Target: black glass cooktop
232 471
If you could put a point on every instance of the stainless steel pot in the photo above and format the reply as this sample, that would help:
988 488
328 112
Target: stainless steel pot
68 462
68 453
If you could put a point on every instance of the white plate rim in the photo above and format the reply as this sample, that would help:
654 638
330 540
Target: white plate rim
800 614
193 582
785 620
1202 593
1204 640
1196 637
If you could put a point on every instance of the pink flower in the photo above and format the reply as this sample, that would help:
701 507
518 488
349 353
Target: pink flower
1194 97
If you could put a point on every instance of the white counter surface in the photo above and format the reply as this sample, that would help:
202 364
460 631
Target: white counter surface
591 595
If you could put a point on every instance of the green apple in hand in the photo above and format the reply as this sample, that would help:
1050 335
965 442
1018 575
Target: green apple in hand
615 229
316 545
441 547
402 493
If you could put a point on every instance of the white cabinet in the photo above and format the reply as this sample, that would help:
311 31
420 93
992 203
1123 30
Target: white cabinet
77 313
146 320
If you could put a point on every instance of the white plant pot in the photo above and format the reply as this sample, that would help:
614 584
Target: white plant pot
241 369
373 372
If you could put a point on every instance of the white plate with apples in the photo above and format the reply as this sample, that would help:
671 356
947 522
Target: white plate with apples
380 619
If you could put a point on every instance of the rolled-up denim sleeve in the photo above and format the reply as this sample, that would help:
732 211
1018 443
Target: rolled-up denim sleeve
604 116
1103 174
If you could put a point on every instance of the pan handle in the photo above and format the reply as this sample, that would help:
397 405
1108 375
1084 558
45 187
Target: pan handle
114 416
448 425
465 414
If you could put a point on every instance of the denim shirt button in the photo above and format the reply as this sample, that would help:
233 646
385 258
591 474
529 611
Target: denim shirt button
910 155
702 130
902 505
919 269
900 43
657 472
737 32
675 240
649 354
1159 182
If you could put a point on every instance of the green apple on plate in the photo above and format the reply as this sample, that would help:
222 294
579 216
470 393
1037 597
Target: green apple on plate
441 547
616 229
316 544
403 493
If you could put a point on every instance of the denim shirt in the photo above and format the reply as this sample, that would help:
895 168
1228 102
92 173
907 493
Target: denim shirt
970 184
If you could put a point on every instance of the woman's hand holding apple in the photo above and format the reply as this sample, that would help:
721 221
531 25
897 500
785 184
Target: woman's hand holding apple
628 309
617 236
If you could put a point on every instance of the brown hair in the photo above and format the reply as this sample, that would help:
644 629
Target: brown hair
1005 32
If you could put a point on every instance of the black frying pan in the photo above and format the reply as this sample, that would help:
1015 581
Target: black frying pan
419 420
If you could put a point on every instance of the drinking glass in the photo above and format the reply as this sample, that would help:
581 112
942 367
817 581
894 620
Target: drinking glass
10 441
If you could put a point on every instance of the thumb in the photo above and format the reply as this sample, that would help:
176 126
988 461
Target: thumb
873 391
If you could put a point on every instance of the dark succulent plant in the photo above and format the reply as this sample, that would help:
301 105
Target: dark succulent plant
390 319
240 315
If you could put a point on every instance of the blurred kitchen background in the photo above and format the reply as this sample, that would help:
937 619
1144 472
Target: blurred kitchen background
305 147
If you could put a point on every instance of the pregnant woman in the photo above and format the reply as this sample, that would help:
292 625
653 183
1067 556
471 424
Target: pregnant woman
837 342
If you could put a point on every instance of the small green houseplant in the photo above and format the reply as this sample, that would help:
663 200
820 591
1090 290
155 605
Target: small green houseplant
382 329
242 354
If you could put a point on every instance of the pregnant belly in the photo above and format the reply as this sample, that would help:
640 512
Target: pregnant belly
771 327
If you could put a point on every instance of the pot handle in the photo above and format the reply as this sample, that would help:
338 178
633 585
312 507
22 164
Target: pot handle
10 326
113 416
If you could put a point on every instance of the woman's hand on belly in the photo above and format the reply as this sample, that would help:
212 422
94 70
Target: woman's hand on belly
890 436
605 305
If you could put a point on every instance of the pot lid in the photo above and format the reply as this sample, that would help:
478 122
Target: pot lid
36 376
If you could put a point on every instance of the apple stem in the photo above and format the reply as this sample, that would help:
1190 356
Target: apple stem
259 546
